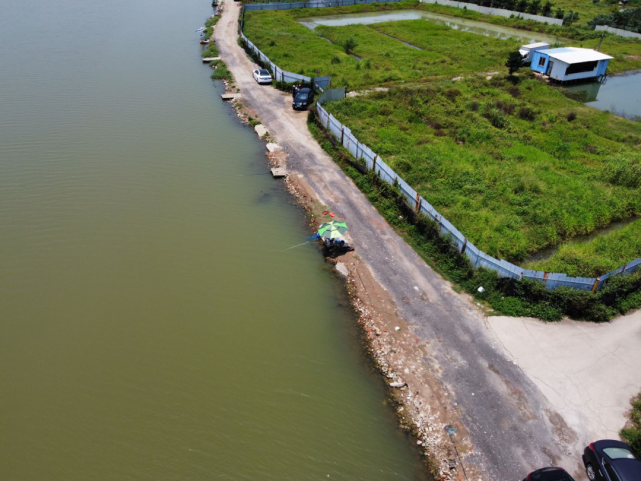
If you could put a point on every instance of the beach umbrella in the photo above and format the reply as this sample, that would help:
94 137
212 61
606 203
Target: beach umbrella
332 230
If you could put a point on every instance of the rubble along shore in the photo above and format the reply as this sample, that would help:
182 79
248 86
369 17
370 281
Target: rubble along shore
420 402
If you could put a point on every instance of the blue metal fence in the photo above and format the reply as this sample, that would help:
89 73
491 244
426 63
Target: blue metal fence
477 257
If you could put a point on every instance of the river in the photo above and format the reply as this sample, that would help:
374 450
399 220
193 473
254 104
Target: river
152 326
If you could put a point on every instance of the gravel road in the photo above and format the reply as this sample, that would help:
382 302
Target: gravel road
512 426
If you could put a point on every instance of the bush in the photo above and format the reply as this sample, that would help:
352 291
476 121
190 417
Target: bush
571 116
507 296
632 433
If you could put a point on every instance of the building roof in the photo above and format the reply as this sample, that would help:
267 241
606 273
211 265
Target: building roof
534 45
575 55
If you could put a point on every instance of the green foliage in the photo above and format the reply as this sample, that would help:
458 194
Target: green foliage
210 51
632 433
595 257
512 179
222 73
506 296
349 44
514 62
628 19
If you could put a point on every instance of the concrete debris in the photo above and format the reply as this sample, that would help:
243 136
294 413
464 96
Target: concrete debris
261 130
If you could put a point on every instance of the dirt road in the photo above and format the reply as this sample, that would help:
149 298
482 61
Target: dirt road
512 427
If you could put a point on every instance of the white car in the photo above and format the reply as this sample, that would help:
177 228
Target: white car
262 76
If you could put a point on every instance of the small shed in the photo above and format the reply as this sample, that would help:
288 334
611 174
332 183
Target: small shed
527 51
570 63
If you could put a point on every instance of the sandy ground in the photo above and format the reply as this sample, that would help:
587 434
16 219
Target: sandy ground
447 359
588 371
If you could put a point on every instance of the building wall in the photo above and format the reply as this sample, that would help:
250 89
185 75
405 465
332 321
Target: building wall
558 71
535 62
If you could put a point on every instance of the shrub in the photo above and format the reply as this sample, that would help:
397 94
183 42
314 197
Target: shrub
350 44
526 113
632 433
571 116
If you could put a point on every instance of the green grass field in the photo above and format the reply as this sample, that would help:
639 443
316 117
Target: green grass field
515 168
384 61
387 61
503 163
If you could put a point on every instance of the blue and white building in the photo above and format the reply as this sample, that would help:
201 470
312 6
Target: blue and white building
570 63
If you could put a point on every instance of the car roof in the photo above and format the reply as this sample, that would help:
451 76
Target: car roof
610 443
264 71
550 474
305 90
627 469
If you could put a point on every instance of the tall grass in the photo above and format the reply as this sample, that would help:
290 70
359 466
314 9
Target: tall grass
594 258
290 45
632 433
502 162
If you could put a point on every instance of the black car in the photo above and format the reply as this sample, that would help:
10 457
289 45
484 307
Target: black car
549 474
303 99
610 460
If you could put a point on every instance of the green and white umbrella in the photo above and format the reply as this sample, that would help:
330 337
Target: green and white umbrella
332 230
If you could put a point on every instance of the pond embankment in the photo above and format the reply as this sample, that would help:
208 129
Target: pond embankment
443 367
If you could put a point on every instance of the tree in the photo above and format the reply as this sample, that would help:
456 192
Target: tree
514 62
546 11
350 44
534 7
560 13
521 5
509 4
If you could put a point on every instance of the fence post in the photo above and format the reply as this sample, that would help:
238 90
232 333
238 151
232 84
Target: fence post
418 202
374 163
596 284
465 245
342 133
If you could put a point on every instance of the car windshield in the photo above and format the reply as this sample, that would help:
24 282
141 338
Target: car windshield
263 72
619 453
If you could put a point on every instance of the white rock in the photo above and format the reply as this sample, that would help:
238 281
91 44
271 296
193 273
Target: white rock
260 130
342 269
273 147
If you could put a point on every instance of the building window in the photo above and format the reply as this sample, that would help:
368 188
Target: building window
581 67
541 61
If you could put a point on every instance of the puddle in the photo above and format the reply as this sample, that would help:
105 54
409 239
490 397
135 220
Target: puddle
550 251
619 94
465 25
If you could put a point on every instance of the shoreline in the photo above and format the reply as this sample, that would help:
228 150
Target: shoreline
389 349
444 366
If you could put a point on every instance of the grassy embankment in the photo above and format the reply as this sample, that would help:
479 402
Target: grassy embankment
388 61
221 72
632 433
505 296
515 168
556 140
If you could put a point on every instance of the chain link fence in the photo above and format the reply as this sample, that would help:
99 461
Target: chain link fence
477 257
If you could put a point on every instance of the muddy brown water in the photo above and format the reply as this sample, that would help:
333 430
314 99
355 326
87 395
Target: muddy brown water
151 324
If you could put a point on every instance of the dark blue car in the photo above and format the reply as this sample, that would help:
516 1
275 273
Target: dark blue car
549 474
610 460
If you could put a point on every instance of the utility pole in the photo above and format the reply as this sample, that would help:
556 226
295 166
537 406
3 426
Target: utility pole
600 40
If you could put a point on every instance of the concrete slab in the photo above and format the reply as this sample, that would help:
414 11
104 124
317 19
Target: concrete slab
342 269
588 371
260 130
273 147
278 172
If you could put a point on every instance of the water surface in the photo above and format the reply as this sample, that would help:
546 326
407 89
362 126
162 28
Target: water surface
151 325
620 94
457 23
